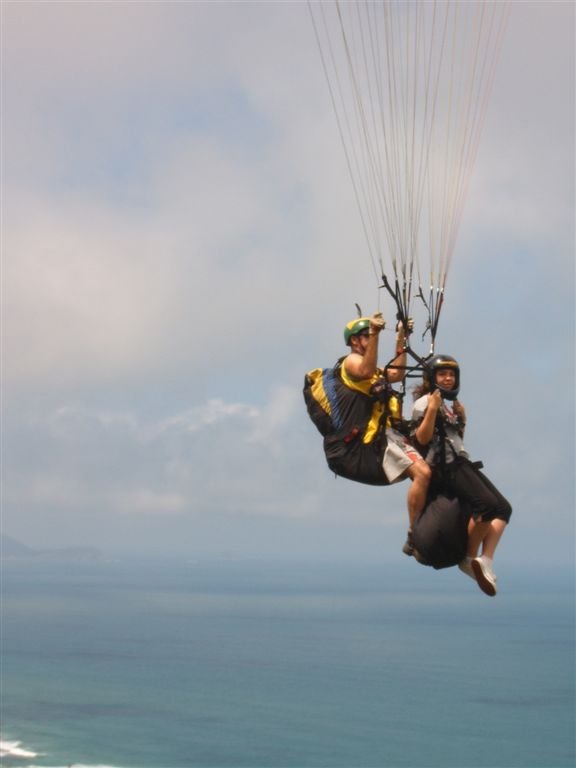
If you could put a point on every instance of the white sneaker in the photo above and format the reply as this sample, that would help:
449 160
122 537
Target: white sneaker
484 574
466 567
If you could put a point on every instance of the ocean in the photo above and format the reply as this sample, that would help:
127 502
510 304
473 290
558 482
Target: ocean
260 664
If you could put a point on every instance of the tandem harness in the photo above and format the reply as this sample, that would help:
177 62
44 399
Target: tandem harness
445 468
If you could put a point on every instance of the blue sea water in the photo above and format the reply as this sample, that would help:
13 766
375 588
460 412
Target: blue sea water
285 665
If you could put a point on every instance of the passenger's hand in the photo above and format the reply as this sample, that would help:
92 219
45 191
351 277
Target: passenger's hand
377 323
435 400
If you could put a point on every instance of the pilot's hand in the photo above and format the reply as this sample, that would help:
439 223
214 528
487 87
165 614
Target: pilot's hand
405 331
377 323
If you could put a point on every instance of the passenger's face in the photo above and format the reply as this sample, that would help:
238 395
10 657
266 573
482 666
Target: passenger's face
445 378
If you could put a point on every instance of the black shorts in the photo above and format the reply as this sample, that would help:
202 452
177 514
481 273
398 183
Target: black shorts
359 462
470 485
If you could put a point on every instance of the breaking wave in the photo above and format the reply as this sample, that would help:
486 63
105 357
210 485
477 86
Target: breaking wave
14 752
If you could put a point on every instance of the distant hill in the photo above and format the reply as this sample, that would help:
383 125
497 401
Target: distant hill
13 549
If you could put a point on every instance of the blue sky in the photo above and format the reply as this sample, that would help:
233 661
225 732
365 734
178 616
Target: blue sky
180 244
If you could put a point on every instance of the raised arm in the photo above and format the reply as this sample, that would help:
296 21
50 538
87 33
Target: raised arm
361 363
396 370
425 430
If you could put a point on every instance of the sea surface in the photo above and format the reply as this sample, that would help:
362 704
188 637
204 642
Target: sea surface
258 664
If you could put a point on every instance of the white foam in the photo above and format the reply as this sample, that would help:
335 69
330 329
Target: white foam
13 749
68 765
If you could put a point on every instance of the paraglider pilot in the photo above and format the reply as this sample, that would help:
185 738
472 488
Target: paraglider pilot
355 408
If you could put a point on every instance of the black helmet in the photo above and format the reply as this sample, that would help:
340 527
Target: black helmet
435 364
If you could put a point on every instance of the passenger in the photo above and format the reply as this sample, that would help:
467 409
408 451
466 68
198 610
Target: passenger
439 421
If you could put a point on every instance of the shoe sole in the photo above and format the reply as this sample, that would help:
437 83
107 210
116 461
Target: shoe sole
486 586
470 574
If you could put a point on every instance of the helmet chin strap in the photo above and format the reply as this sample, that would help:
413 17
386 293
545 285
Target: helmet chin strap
447 394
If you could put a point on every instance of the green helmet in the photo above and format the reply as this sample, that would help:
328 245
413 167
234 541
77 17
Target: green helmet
355 326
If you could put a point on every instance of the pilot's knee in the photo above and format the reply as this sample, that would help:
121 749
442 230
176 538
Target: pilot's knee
425 470
421 471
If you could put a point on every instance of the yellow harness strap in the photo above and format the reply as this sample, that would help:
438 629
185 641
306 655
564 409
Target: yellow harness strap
364 386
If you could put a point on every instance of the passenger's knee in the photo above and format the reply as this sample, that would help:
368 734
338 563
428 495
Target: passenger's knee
502 510
506 513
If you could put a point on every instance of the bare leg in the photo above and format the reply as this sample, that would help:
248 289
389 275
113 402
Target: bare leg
490 541
420 474
486 534
477 532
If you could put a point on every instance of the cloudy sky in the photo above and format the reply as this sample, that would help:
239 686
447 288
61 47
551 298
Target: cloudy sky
180 244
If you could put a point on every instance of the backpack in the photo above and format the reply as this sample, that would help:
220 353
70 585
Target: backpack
321 399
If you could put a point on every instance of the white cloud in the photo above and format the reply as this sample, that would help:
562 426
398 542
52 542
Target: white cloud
212 457
145 501
47 489
207 230
205 416
276 415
